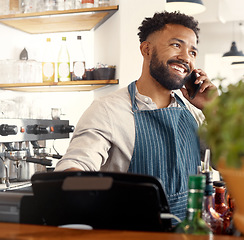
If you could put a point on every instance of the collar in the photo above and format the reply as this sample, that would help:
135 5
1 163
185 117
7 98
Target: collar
145 101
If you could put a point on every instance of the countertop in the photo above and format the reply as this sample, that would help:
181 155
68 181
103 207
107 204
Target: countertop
29 232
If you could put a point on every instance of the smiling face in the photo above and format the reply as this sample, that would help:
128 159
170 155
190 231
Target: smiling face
173 55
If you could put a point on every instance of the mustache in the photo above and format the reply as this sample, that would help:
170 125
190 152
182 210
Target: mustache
180 62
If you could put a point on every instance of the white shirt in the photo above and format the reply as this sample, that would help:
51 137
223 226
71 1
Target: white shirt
104 137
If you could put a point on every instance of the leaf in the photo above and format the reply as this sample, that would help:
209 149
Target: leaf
223 130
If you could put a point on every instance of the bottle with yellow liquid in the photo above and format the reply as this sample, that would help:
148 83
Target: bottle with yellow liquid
48 65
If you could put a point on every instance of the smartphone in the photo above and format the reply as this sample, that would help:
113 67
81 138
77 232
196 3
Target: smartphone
190 85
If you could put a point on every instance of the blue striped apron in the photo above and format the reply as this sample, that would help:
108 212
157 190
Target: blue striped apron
167 147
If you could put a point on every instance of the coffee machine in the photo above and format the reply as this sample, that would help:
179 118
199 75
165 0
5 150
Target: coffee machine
23 150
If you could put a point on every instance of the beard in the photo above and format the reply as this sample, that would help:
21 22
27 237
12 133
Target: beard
160 72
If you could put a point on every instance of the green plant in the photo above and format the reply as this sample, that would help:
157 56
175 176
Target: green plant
223 129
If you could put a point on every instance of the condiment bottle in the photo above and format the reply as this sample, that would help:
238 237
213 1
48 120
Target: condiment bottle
209 215
193 223
48 64
79 63
63 63
220 204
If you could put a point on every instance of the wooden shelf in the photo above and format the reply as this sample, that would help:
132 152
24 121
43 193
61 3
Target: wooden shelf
83 19
83 85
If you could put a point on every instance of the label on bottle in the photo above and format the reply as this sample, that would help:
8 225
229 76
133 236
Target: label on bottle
48 71
195 198
63 71
78 70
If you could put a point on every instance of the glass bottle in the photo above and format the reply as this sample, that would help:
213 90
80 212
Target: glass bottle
63 62
48 5
79 64
78 4
209 215
48 64
59 5
4 7
69 4
87 3
231 203
220 204
193 223
230 230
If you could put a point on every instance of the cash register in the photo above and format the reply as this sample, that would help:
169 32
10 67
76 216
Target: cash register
102 200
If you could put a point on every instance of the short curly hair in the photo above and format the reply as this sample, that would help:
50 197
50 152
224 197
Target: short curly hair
159 20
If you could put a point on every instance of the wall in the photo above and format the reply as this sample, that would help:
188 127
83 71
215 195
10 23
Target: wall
215 40
124 40
38 105
115 42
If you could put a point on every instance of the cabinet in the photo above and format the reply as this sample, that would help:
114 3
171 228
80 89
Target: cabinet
59 21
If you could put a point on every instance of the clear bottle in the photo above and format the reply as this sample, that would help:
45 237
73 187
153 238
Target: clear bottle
59 5
4 7
104 3
193 223
79 63
78 4
48 5
63 62
209 215
69 4
48 64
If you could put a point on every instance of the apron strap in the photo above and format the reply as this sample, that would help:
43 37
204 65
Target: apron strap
180 101
132 92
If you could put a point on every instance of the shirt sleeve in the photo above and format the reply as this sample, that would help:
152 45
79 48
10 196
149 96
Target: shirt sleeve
91 141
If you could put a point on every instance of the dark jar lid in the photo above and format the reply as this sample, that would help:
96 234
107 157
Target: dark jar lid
219 184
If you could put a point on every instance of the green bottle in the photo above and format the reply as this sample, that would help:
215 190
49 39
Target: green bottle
193 223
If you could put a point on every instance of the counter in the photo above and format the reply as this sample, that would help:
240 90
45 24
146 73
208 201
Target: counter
29 232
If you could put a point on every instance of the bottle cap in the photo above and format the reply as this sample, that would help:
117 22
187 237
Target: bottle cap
219 184
209 177
209 182
63 38
197 182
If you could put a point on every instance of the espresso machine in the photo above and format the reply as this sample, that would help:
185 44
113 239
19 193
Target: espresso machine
23 150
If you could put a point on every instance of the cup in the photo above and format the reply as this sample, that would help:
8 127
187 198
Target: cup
55 113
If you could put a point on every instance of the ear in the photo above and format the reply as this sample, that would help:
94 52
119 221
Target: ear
145 49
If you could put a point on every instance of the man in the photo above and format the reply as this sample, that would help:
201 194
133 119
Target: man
147 128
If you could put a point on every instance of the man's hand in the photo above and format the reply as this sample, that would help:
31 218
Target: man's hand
207 93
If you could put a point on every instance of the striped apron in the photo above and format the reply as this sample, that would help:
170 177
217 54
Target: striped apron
167 147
